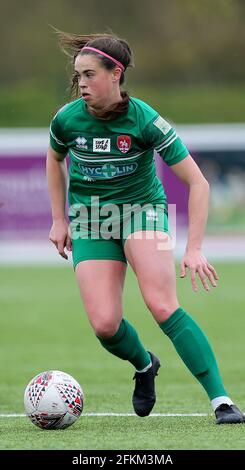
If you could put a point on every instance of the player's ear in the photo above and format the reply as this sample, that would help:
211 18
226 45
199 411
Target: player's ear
116 74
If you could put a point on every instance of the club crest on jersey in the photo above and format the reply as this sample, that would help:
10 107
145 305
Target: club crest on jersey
101 145
124 143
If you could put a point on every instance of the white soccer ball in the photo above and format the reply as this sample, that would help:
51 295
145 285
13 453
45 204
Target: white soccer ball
53 400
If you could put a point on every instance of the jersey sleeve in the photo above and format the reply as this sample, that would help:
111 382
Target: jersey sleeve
56 136
160 135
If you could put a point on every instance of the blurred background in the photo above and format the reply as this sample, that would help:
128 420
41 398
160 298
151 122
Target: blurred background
189 65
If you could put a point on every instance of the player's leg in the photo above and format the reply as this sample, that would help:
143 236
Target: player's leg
155 272
101 285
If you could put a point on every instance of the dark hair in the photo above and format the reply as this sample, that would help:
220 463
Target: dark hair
71 45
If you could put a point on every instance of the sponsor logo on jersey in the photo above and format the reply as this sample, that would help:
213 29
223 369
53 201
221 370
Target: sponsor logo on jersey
107 171
87 178
81 143
124 143
163 125
101 145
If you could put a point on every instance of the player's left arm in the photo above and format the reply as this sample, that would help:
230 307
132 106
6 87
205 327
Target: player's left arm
188 171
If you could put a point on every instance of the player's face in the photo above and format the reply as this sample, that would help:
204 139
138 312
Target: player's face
98 86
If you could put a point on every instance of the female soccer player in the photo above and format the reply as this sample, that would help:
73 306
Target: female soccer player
118 214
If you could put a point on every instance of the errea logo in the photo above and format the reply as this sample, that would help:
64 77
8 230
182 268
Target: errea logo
81 143
101 145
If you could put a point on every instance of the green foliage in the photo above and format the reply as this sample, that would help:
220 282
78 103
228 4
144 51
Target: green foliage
190 40
177 44
31 105
196 104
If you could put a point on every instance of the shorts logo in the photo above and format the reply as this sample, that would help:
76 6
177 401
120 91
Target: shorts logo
101 145
124 143
152 215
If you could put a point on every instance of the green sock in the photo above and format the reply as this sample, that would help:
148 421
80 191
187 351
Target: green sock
127 345
194 349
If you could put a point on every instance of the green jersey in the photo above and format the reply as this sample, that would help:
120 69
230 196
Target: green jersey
114 159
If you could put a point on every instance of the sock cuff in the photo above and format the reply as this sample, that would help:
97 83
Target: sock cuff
146 368
117 337
216 402
169 324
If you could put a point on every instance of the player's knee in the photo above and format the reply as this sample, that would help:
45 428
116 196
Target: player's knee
161 311
105 328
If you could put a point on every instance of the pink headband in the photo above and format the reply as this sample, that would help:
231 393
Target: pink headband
88 48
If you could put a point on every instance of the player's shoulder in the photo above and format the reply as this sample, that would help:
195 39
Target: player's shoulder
69 109
144 109
150 121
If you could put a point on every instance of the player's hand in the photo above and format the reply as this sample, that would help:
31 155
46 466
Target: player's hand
60 236
197 264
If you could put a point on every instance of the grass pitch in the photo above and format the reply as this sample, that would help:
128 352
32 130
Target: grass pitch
43 326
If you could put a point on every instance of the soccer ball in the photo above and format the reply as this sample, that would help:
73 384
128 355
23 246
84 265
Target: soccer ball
53 400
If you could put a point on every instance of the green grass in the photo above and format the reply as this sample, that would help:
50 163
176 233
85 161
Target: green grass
43 326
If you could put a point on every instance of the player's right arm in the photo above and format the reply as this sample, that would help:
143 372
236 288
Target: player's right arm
56 170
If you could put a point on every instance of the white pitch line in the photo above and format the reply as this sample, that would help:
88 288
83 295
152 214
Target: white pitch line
153 415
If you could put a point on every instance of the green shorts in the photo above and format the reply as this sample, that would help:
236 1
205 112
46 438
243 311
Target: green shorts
110 246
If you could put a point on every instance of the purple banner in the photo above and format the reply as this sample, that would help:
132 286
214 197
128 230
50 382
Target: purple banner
176 191
24 202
